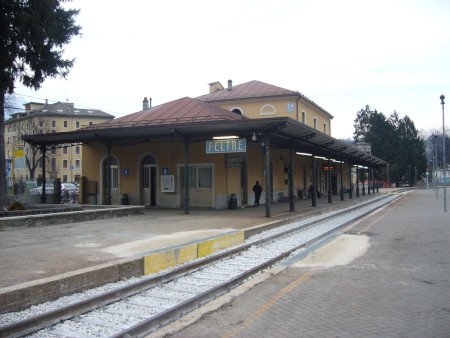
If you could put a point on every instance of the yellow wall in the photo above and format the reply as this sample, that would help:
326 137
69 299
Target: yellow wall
262 109
226 181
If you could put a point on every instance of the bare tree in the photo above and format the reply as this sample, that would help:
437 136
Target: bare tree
33 155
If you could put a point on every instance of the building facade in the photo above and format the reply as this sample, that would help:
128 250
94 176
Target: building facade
25 160
204 151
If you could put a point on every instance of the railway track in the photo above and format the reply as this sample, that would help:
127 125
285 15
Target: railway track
147 304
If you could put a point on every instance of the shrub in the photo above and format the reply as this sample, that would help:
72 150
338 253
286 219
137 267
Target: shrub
16 206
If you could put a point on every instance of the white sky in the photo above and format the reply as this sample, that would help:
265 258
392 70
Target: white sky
390 54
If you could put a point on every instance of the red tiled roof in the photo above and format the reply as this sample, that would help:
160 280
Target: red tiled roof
183 110
250 89
254 89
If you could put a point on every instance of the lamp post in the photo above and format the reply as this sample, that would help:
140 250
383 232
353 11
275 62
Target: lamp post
444 165
435 166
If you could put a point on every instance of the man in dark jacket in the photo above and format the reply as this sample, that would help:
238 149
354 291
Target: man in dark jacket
257 190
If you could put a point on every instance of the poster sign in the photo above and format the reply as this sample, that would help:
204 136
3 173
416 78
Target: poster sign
167 183
226 146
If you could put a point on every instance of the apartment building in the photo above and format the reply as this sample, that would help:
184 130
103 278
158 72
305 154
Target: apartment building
24 161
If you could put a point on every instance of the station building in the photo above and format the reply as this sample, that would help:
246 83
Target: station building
210 150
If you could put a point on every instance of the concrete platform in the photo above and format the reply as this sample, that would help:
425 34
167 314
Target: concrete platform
46 262
386 276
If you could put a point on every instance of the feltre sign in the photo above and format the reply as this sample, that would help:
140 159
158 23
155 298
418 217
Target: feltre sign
226 146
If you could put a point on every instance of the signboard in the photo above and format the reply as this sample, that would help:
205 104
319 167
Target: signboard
167 183
126 172
18 153
233 162
226 146
328 168
165 171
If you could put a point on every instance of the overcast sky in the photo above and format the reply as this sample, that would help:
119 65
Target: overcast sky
392 55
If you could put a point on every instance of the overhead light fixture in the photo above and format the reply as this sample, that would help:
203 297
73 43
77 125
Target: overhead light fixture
225 137
304 154
254 137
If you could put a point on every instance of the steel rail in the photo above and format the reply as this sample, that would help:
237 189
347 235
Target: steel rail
152 324
41 321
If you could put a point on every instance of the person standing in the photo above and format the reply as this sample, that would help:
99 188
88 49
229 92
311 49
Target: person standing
257 189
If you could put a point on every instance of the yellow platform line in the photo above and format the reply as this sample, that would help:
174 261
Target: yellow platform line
163 260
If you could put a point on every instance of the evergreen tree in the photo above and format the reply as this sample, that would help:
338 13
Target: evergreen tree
32 34
395 140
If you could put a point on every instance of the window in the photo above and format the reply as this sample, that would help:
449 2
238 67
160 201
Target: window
53 151
64 178
324 128
77 124
77 164
315 123
65 150
65 124
53 164
303 117
41 123
268 109
77 150
114 177
65 164
53 124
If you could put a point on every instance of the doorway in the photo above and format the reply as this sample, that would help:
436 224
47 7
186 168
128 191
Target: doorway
114 172
148 180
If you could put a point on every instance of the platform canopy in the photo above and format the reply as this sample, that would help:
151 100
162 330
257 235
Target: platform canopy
191 120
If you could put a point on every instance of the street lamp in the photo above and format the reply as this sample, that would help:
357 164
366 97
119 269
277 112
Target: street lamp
444 165
435 166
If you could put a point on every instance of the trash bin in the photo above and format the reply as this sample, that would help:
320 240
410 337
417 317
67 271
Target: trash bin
124 199
233 202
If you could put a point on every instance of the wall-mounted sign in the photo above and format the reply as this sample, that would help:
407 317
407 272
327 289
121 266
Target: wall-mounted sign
167 183
226 146
233 162
165 171
290 107
126 172
328 168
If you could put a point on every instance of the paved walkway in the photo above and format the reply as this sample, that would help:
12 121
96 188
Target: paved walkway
29 254
387 276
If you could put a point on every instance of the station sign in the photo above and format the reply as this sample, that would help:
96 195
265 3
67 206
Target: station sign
328 168
226 146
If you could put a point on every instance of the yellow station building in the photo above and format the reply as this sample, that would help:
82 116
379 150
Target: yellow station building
204 151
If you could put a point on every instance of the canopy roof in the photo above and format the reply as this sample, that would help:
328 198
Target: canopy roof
192 120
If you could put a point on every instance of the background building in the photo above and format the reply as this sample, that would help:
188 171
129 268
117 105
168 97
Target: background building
24 161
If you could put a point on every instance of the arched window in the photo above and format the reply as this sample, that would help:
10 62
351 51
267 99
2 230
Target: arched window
149 159
268 109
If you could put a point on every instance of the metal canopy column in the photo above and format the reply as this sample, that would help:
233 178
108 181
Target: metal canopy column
108 174
350 188
330 199
185 141
43 194
368 180
186 177
267 173
358 174
373 180
342 183
364 181
291 180
313 192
